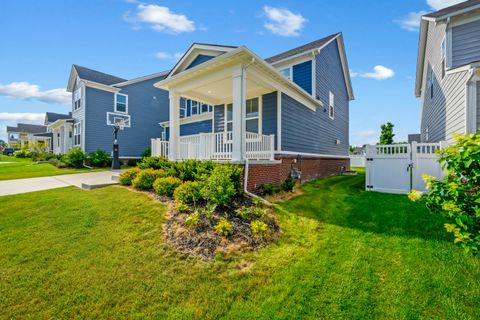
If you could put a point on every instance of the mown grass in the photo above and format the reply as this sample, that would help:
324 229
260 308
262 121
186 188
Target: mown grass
344 254
18 168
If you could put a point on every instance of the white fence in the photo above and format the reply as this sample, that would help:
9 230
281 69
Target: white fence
218 146
398 168
358 160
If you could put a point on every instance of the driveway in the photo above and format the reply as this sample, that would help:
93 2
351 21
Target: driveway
17 186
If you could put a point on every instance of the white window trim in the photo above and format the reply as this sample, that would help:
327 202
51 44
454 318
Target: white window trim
331 105
225 117
77 95
292 64
126 104
78 128
199 108
259 117
443 56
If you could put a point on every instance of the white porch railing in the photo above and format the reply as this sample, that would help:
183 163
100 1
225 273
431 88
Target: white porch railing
218 146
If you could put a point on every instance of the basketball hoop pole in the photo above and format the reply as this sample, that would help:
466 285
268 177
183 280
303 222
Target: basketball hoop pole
115 160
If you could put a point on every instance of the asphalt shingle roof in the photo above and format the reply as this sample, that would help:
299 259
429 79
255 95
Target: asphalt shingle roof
51 117
306 47
97 76
28 128
453 9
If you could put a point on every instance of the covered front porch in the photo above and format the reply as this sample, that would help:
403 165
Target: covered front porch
234 83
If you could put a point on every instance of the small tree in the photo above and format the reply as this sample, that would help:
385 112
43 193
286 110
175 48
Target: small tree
386 136
457 196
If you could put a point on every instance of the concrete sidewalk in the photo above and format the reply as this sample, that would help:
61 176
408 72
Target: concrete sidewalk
17 186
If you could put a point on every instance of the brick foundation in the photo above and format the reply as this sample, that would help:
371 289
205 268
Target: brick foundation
311 168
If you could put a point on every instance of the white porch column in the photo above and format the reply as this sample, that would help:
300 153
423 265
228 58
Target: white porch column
174 148
238 109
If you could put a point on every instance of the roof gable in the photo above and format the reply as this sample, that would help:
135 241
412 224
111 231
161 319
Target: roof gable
199 53
91 75
457 9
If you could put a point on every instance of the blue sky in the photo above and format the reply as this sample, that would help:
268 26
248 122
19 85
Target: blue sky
41 39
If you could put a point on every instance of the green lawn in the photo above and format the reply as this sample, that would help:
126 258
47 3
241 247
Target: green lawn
25 168
344 254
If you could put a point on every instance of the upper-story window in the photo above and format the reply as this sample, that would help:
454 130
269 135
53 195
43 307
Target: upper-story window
331 105
287 72
77 99
443 51
121 103
189 108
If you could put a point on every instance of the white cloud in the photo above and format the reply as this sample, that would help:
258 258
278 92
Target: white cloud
161 19
411 21
379 73
360 138
162 55
22 117
440 4
27 91
283 22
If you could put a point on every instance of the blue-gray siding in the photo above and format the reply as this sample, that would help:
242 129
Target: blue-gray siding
308 131
147 106
269 114
466 43
196 127
302 75
201 58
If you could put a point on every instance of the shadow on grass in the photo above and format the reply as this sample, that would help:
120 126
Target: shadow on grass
343 201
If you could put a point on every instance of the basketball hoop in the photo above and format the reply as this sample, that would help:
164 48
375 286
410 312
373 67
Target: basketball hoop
120 124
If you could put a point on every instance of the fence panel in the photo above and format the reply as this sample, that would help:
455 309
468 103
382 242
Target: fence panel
425 161
358 160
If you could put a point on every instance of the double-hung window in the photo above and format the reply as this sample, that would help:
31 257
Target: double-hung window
229 117
77 133
331 105
121 103
252 115
195 107
189 108
77 99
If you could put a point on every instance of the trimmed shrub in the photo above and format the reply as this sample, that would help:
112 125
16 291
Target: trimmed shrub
166 186
269 189
155 163
100 158
127 176
132 162
57 163
259 228
220 187
288 185
188 192
42 156
75 157
224 227
147 152
145 178
181 207
22 154
244 212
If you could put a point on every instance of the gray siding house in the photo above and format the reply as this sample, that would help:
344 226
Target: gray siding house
225 103
447 76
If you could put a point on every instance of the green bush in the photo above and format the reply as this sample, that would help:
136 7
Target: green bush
22 154
155 163
100 158
75 157
259 228
244 212
42 156
145 178
127 176
224 227
259 212
181 207
193 219
147 152
457 196
188 192
269 189
209 210
132 162
166 186
288 184
220 187
57 163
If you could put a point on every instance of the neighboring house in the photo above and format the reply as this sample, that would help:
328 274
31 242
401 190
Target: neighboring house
99 100
290 111
414 137
60 131
448 75
24 134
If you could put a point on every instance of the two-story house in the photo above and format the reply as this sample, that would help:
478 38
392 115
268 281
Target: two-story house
447 75
226 103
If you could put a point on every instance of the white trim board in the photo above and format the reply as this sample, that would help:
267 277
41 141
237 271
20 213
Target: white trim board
293 153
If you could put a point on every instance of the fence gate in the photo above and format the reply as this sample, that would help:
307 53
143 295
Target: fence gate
397 168
388 168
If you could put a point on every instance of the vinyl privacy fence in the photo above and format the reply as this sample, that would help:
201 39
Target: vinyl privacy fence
398 168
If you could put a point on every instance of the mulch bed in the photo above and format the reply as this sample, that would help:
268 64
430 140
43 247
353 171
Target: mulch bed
204 242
